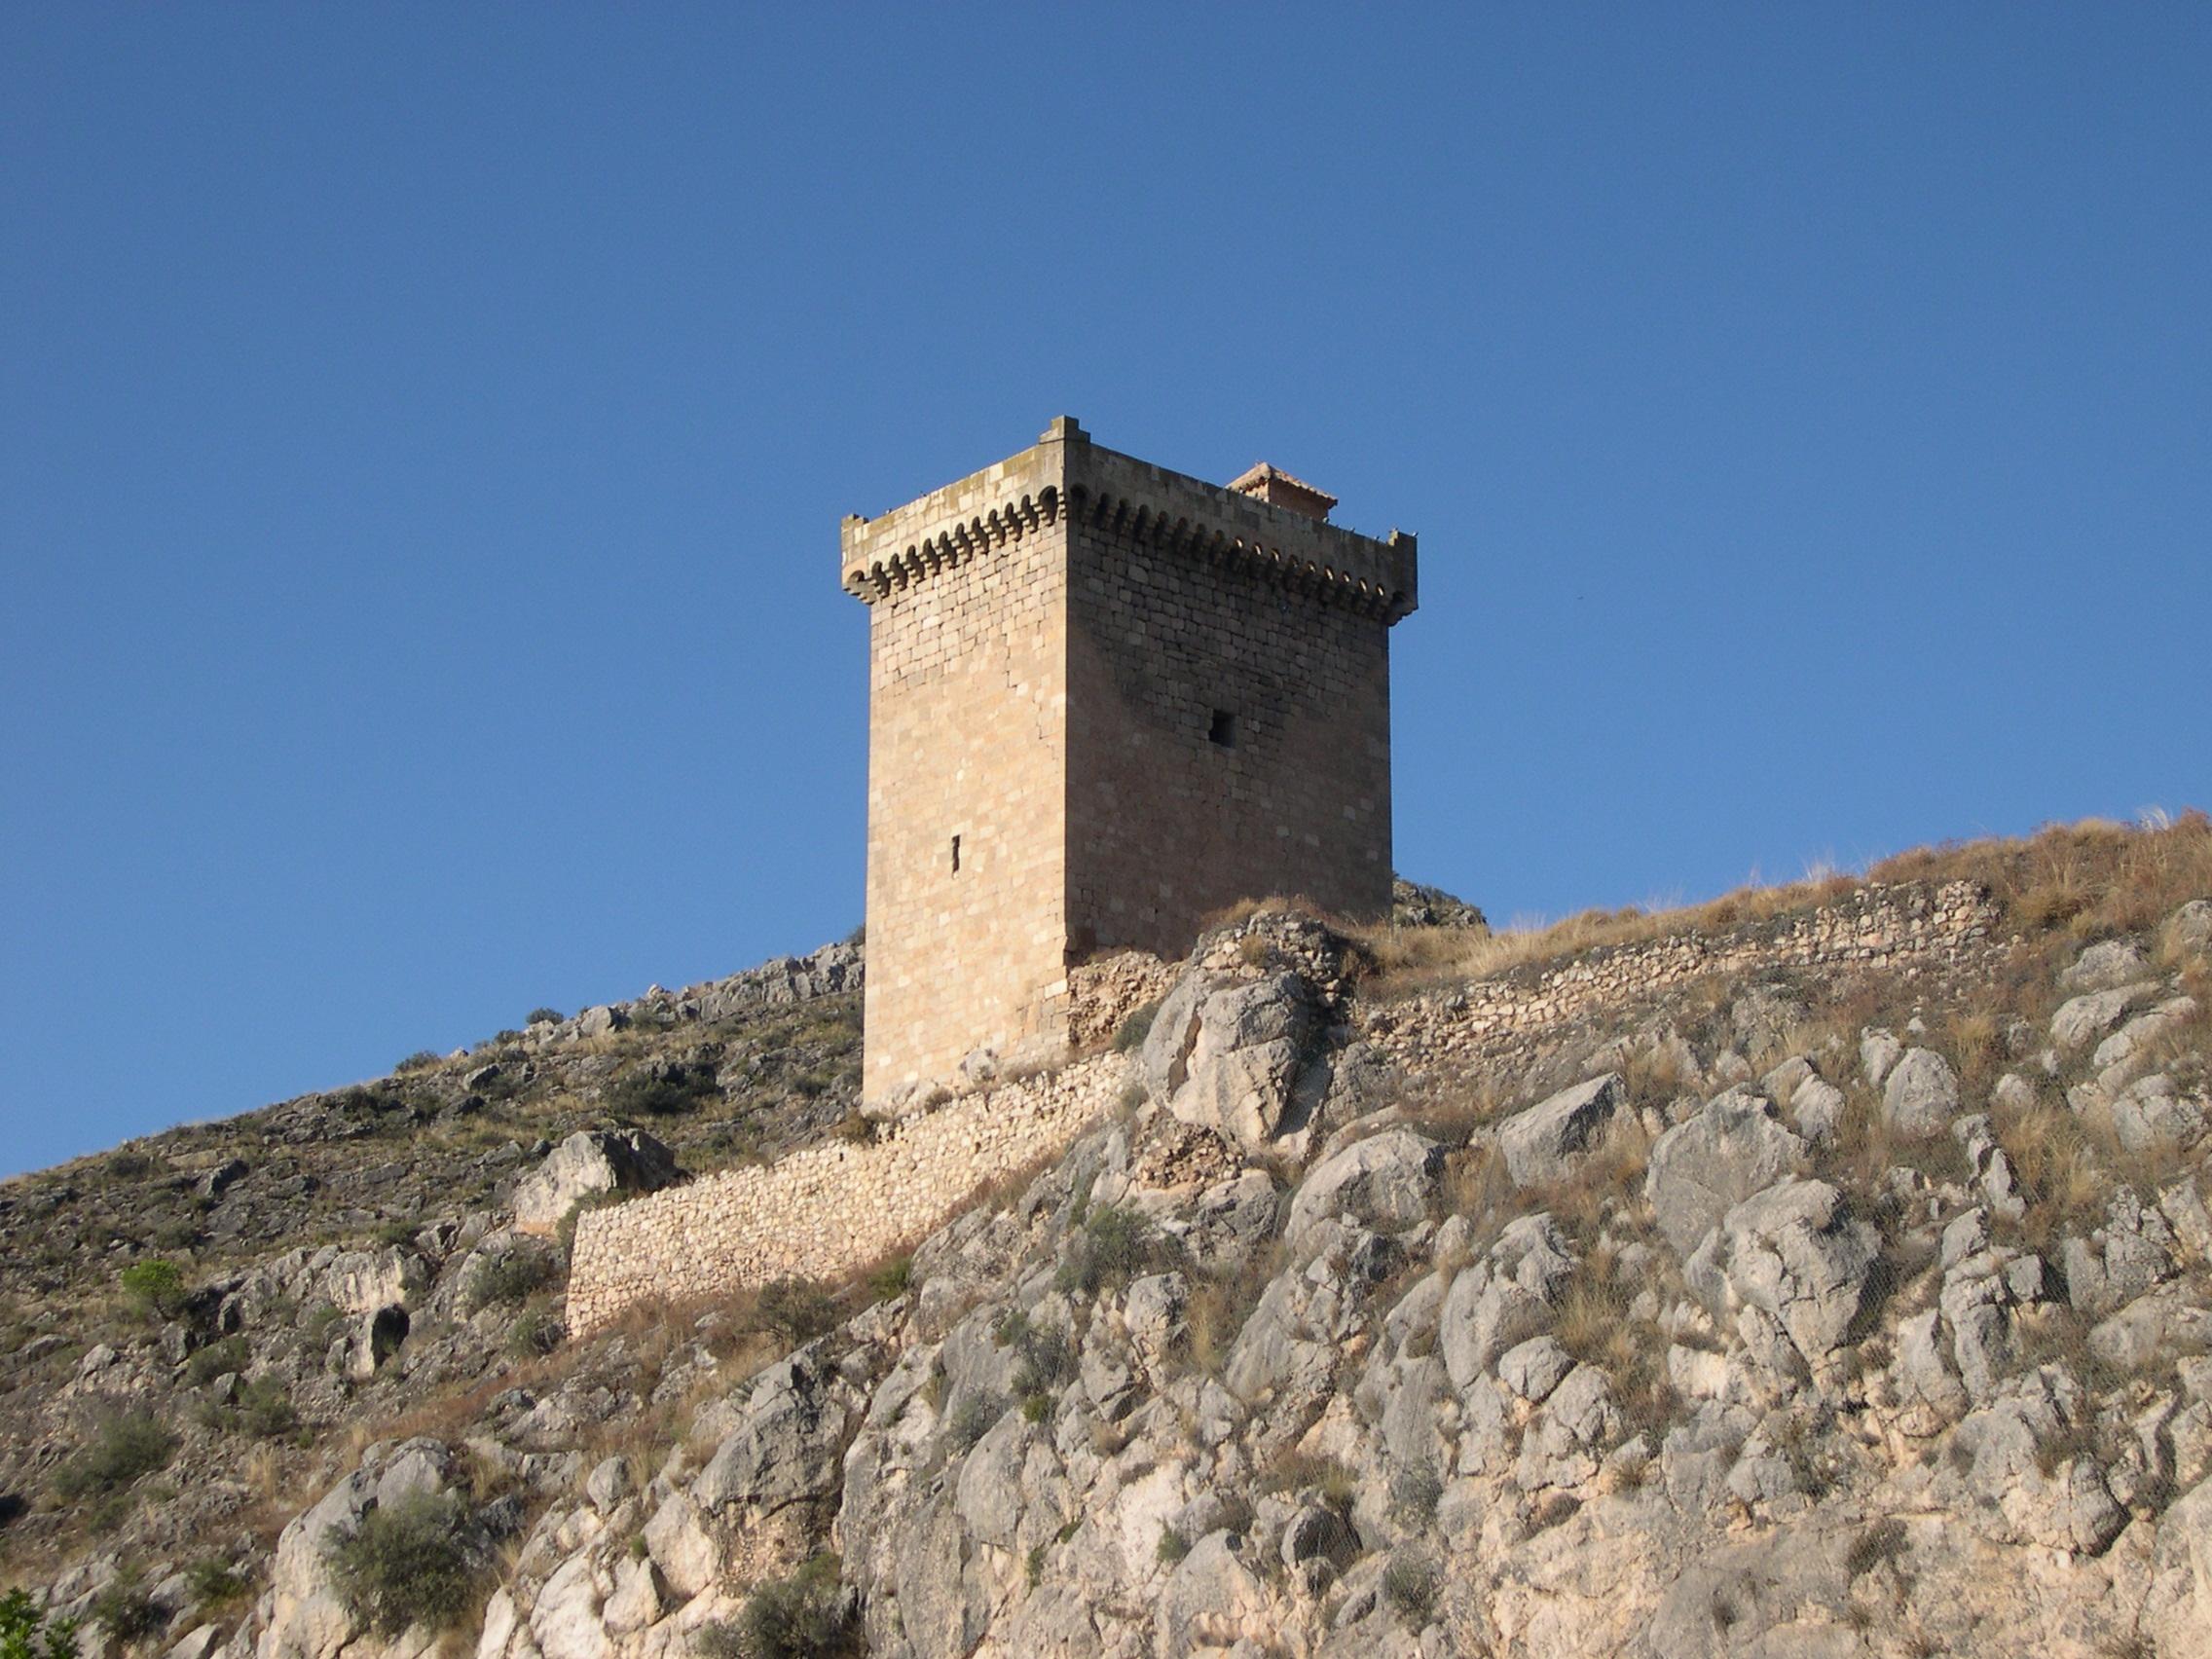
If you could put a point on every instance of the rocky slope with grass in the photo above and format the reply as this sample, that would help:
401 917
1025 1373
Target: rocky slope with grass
1778 1312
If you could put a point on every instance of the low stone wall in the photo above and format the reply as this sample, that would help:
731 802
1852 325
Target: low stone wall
1103 994
827 1211
1880 927
822 1212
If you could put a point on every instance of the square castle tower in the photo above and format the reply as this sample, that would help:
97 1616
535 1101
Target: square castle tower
1104 701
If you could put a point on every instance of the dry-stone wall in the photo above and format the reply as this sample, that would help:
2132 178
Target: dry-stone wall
1878 927
827 1209
1103 994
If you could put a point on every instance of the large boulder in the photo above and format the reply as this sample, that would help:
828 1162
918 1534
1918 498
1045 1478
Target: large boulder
1920 1096
1792 1258
1228 1054
1504 1299
2015 1457
1386 1180
2189 929
588 1162
1539 1144
2180 1610
1705 1165
2092 1014
2153 1115
2105 965
788 1442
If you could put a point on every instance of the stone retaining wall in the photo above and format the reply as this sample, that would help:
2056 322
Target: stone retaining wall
826 1211
1879 927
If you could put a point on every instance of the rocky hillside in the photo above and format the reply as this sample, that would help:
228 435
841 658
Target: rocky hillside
1772 1311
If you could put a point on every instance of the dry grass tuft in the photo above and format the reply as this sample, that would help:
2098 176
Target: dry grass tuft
2063 1166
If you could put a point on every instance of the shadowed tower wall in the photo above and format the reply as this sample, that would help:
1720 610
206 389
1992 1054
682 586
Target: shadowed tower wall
1105 699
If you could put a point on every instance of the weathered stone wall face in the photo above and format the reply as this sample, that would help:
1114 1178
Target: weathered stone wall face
821 1214
1229 736
826 1211
967 789
1874 928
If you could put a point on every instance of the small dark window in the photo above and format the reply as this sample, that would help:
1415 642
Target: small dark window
1224 729
956 855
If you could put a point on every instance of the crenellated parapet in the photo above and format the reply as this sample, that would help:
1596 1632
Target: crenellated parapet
878 564
1065 475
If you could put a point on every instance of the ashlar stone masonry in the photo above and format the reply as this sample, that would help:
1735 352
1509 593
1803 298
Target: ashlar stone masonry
1104 701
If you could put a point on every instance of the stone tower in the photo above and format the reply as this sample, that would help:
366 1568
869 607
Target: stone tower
1105 700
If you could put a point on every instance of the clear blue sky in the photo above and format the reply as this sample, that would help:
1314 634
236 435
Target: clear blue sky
424 432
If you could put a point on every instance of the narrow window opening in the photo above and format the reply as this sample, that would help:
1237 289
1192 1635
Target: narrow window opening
1224 729
956 855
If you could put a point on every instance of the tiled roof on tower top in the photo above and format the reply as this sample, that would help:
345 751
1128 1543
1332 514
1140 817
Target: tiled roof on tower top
1278 489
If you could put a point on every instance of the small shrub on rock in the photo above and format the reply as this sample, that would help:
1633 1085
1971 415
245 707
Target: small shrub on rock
154 1287
215 1359
1415 1494
408 1564
795 1309
972 1421
1115 1246
1172 1546
545 1017
535 1333
422 1059
514 1276
891 1278
125 1610
667 1092
212 1584
805 1616
1409 1584
121 1449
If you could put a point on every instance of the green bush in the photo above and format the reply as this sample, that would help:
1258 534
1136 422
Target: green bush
217 1359
322 1319
795 1309
667 1092
212 1584
534 1334
125 1610
27 1634
1172 1546
1135 1029
422 1059
892 1278
510 1277
972 1421
121 1449
545 1017
804 1616
408 1564
154 1287
265 1410
1409 1584
1115 1246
